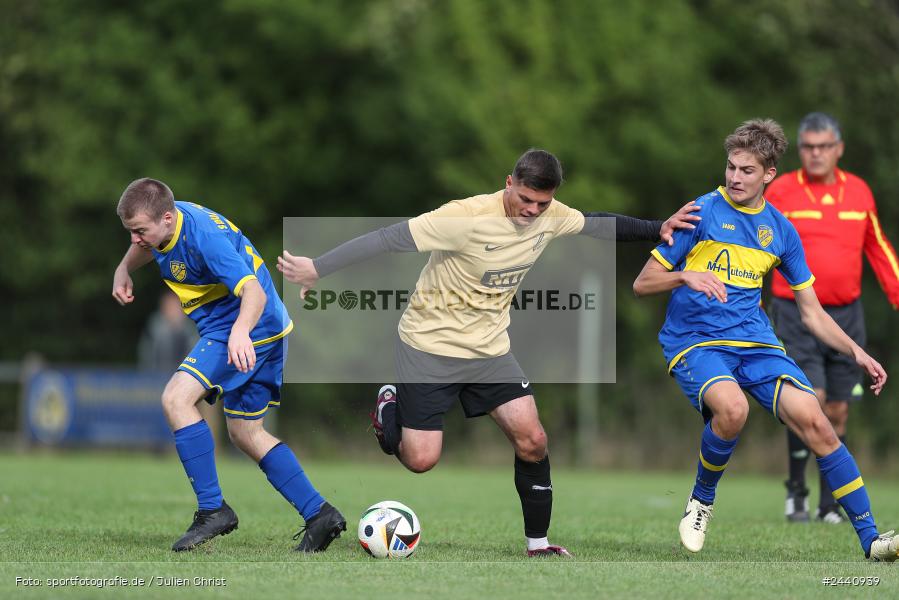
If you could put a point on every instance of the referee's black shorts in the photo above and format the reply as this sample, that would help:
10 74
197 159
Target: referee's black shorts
428 385
827 369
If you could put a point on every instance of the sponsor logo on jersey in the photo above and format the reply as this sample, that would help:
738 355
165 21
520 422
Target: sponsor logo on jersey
178 269
505 278
490 248
766 235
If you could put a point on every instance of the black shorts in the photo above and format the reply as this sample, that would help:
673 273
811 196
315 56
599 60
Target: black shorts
827 369
428 385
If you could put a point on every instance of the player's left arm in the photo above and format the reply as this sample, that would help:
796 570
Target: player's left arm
241 352
825 329
882 257
631 229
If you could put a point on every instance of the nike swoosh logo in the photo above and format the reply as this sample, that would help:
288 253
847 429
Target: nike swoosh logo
490 248
541 488
525 383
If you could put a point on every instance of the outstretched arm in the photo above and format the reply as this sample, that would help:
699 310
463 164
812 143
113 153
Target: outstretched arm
655 279
122 285
306 271
825 329
631 229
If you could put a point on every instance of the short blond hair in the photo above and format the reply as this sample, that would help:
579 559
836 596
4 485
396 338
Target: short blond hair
764 138
147 196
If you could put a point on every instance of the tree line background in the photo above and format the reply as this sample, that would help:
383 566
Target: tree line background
263 109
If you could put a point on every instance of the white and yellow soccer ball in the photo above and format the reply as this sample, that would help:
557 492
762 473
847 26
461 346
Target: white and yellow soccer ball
389 529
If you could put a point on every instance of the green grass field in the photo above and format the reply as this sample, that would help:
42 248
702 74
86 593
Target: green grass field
99 516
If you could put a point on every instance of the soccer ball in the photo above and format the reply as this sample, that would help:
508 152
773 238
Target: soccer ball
389 530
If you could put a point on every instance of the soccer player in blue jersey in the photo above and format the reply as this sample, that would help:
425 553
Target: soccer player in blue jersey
718 342
225 287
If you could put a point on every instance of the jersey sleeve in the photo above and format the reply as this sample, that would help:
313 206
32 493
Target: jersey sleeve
226 263
684 240
882 257
793 265
566 220
445 228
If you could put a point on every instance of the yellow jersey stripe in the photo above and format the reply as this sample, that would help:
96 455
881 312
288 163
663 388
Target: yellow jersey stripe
804 214
193 297
241 283
802 286
658 256
174 240
742 209
883 245
706 384
709 465
852 215
736 343
848 488
251 414
719 259
196 372
287 330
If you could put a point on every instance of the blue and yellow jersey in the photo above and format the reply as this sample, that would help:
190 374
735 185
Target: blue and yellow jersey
740 246
207 263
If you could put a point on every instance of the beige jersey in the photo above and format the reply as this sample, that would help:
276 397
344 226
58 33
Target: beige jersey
479 257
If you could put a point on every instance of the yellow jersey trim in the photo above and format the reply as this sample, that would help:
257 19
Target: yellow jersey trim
240 284
241 413
881 241
848 488
742 209
193 297
658 256
174 240
287 330
701 393
204 380
709 465
804 214
802 286
736 343
852 215
777 387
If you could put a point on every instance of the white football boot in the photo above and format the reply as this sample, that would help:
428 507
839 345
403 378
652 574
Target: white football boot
692 527
885 548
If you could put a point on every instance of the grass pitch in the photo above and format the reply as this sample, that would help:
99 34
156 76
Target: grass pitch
95 516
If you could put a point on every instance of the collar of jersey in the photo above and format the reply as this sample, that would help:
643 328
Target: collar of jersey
802 176
742 209
175 237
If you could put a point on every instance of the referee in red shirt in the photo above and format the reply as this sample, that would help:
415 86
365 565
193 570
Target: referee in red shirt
836 217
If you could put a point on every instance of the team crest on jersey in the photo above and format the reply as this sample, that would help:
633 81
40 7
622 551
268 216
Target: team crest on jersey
178 269
766 235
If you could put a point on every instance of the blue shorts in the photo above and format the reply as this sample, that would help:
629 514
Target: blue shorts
759 371
244 395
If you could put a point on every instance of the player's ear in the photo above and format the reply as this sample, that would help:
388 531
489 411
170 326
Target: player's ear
508 181
769 175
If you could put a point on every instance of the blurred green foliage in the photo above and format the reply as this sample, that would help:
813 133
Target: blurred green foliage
263 109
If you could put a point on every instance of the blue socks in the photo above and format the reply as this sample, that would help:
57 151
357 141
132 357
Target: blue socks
713 456
196 449
283 471
843 477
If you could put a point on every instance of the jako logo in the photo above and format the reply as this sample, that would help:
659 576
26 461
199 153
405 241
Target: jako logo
863 516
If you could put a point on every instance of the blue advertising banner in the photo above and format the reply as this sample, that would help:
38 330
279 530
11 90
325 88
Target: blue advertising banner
96 407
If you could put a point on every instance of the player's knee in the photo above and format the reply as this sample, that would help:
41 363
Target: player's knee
240 437
531 447
732 417
819 430
172 402
420 463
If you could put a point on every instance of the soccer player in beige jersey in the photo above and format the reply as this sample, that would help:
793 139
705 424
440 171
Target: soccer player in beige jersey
452 343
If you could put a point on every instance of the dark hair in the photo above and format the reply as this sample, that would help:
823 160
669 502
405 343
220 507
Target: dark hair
764 138
147 196
538 170
819 121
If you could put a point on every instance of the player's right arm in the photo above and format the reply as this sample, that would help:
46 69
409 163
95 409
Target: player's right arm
122 285
306 272
655 278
